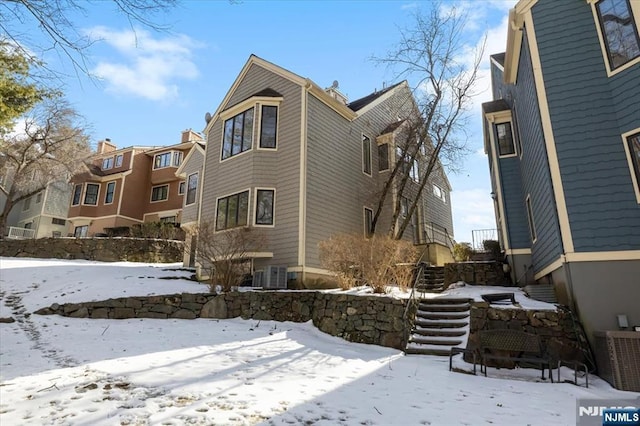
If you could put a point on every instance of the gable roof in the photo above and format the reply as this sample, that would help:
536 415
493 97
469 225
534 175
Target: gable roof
198 147
358 104
392 127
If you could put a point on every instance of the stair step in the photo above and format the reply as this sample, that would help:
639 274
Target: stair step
446 301
450 332
427 323
435 340
427 350
458 307
442 315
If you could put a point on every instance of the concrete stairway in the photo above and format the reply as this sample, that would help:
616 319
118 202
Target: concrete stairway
432 280
440 325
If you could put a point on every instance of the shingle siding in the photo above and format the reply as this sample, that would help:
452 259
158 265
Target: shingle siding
589 112
279 169
513 199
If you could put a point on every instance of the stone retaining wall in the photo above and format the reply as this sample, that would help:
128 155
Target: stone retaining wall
476 273
363 319
102 249
559 335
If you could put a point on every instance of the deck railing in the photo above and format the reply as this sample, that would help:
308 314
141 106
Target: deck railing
479 236
16 233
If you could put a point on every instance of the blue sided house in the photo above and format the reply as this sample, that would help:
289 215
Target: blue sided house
563 140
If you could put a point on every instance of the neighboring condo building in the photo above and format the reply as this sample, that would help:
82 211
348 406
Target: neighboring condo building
563 139
123 187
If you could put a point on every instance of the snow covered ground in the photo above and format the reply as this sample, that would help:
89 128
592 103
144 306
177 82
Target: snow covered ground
65 371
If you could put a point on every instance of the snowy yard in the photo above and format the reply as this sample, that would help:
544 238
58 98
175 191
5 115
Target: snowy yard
57 370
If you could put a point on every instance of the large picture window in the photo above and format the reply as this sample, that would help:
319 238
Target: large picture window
366 155
264 206
619 31
238 134
192 187
160 193
111 189
383 157
91 194
232 211
268 126
505 139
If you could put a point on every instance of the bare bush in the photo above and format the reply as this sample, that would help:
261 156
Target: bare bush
226 255
378 262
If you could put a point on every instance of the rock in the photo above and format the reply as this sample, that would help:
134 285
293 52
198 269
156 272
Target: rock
215 308
184 314
7 320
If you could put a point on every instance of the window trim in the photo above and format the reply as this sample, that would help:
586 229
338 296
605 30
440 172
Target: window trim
366 225
364 160
388 157
195 190
627 150
73 194
253 130
634 9
106 193
262 104
442 197
172 156
159 186
530 219
182 187
84 195
255 208
39 197
513 139
118 157
108 163
248 191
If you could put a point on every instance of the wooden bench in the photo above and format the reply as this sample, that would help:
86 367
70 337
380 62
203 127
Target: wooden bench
515 346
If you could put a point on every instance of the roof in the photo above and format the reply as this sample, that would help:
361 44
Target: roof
499 58
494 106
392 127
363 102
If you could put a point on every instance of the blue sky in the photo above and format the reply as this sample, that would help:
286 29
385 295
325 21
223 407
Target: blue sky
155 84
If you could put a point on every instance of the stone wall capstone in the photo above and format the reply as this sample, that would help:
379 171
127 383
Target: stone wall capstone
101 249
362 319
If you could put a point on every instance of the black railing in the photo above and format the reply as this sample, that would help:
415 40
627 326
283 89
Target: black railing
479 236
412 302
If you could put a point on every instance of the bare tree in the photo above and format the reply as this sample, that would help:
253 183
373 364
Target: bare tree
50 146
54 19
433 54
224 254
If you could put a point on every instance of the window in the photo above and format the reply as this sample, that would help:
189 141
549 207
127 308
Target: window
264 206
232 211
27 204
181 186
438 192
162 160
159 193
77 193
91 194
81 231
618 31
368 222
404 207
268 126
238 134
415 171
532 225
111 188
505 139
366 155
192 186
38 197
634 150
28 225
408 165
177 158
56 221
383 157
107 163
119 158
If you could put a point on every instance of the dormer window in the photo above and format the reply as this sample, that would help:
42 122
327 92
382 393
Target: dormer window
107 163
167 159
119 159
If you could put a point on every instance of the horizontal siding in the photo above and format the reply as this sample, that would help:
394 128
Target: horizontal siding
514 203
534 166
279 169
589 113
194 165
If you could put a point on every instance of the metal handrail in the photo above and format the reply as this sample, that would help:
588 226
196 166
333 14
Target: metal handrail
411 301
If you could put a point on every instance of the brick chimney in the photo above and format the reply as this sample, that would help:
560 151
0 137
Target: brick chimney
190 136
106 146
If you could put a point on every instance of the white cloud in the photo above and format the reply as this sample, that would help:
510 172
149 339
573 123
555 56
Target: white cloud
473 211
147 67
409 6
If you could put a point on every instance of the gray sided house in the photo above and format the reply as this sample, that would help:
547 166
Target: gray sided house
190 171
563 140
302 164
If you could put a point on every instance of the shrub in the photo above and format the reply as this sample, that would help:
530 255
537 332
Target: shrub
159 230
376 262
493 247
462 252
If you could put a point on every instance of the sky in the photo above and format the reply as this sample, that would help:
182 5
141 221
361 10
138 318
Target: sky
153 85
74 371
